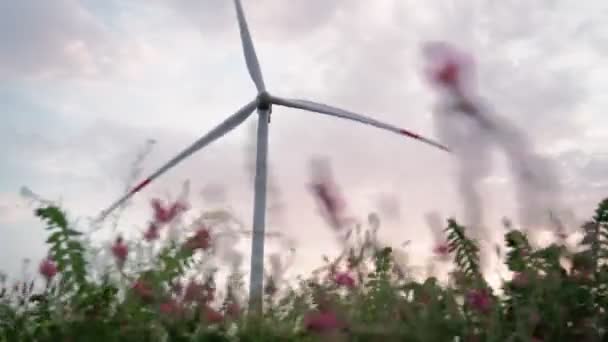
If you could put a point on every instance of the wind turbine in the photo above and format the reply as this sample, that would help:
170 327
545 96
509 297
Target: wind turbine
263 104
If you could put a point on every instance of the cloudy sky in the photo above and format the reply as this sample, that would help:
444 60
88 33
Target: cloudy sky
84 84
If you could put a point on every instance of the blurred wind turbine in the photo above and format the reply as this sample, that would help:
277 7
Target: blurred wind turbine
263 104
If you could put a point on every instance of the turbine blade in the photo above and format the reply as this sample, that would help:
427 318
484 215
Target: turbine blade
337 112
253 66
229 124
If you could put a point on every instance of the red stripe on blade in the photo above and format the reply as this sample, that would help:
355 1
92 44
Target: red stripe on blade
409 134
141 185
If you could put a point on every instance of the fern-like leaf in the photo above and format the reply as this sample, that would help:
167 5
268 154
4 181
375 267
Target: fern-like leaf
595 236
66 249
465 250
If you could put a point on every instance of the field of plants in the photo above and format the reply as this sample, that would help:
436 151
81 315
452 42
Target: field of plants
557 293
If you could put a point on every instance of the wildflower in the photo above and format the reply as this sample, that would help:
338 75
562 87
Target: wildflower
232 310
120 251
143 290
170 308
345 279
448 66
152 233
200 240
165 215
448 73
322 322
211 315
161 215
193 291
48 268
442 251
479 300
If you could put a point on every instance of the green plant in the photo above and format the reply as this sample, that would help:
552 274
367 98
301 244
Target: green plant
360 298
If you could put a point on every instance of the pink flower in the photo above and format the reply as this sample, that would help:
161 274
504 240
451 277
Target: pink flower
322 322
152 233
345 279
233 310
211 315
143 290
448 67
164 214
193 292
200 240
170 308
160 214
48 268
442 250
479 300
120 251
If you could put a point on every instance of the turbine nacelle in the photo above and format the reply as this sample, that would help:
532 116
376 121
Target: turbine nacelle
264 101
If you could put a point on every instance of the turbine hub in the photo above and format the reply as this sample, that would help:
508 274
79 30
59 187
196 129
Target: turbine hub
264 102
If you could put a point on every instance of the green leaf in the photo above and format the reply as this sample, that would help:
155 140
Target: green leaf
72 232
75 246
53 215
55 238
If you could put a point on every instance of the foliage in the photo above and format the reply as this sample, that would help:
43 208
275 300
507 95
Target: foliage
65 249
555 294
